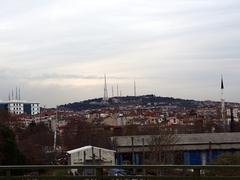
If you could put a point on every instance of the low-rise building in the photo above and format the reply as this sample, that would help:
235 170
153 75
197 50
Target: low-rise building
90 155
188 149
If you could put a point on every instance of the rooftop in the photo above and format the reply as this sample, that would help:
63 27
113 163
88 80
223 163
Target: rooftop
184 139
86 148
18 101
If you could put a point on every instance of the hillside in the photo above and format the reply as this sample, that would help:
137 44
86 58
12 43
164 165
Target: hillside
146 100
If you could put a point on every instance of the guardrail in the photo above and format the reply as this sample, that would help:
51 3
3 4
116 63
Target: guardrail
141 172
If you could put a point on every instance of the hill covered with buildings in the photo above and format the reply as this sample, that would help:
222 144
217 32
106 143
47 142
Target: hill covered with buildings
144 101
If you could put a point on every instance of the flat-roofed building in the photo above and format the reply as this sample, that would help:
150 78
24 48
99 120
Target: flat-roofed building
90 155
191 149
20 107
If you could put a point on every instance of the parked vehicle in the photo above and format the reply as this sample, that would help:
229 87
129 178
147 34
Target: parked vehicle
118 172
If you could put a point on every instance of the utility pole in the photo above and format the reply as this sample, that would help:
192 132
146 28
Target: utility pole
55 131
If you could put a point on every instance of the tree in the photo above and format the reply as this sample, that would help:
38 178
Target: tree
80 133
161 144
226 159
9 153
131 130
6 118
35 142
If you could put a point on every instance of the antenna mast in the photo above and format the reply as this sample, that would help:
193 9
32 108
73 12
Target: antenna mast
117 91
135 89
105 97
112 92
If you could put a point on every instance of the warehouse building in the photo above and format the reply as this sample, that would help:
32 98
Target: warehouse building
188 149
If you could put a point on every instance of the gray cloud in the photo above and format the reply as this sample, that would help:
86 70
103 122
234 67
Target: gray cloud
75 76
13 74
165 45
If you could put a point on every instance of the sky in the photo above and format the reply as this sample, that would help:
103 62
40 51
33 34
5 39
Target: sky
57 51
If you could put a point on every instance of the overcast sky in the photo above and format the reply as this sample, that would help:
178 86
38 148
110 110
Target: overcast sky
57 51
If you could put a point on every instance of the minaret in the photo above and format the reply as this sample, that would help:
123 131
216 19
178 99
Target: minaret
105 97
135 89
222 103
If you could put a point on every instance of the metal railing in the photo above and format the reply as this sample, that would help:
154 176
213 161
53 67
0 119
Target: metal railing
141 172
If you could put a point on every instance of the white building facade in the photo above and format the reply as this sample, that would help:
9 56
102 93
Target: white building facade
20 107
91 155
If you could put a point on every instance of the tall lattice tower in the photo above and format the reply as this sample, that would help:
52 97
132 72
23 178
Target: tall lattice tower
117 91
105 97
222 102
135 89
112 92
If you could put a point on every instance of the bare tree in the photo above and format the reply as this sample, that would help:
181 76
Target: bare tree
161 147
81 133
34 142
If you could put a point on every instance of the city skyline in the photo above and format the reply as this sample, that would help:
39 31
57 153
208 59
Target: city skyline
58 51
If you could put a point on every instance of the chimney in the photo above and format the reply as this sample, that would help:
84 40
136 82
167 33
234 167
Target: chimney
19 94
16 94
